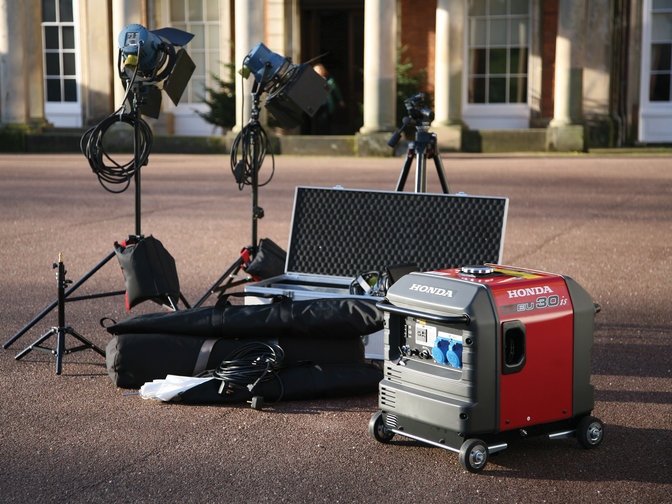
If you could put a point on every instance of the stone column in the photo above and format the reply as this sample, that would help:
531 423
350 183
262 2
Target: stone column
380 81
14 95
566 131
250 30
448 74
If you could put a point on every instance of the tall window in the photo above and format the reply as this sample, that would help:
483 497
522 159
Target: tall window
661 50
58 38
200 17
498 47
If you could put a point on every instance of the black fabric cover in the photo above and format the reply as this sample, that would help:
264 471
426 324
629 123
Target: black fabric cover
314 318
134 359
297 382
149 271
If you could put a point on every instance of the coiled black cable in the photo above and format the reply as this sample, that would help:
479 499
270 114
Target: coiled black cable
250 365
243 161
113 173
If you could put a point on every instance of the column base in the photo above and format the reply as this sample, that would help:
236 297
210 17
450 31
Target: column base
566 138
374 144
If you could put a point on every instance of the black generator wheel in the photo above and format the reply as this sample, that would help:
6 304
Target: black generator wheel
474 455
378 430
590 432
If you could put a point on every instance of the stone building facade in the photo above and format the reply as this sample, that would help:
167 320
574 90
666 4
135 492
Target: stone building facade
574 73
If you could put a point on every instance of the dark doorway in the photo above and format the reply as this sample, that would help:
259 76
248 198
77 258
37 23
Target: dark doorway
335 31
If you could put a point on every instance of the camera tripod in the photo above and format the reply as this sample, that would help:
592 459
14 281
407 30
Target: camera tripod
423 147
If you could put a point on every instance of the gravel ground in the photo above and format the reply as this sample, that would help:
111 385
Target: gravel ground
604 220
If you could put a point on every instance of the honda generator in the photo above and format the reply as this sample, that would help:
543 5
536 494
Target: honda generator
476 357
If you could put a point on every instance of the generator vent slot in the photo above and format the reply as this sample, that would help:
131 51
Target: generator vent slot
391 421
388 397
393 374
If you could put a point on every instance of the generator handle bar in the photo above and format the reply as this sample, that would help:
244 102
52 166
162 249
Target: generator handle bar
446 319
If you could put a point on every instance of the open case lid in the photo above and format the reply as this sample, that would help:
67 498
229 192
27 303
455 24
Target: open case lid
344 232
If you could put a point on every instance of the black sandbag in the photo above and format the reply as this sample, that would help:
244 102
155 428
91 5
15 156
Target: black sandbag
296 382
134 359
149 271
315 318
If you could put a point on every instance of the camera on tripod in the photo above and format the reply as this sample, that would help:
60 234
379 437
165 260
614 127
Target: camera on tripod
417 111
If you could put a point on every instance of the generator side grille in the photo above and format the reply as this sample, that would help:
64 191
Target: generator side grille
393 374
388 397
391 421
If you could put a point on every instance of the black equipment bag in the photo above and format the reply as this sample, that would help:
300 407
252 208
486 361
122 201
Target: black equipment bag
301 381
324 331
313 318
149 271
134 359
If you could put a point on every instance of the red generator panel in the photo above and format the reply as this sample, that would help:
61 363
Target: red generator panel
476 357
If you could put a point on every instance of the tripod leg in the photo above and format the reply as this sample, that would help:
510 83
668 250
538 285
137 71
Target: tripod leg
421 172
36 343
86 342
441 173
406 169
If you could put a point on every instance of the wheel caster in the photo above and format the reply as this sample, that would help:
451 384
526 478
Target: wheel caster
473 455
378 430
590 432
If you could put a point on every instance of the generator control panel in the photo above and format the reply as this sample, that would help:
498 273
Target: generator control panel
427 341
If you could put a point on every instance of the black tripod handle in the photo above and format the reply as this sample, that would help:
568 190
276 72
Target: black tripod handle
394 139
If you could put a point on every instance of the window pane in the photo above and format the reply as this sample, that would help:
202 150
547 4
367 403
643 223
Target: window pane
662 27
198 90
477 32
662 4
68 37
477 90
195 10
518 60
51 37
519 6
53 90
213 65
477 61
497 90
661 54
66 11
199 61
498 32
497 7
53 64
497 61
69 64
659 89
213 37
518 34
49 11
177 10
198 42
212 9
518 90
477 8
70 90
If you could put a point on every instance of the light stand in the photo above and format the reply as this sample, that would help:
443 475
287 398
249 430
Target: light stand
423 147
63 295
246 171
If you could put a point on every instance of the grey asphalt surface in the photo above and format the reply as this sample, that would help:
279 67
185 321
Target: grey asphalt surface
604 220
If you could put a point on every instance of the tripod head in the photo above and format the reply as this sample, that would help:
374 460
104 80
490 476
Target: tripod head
417 116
